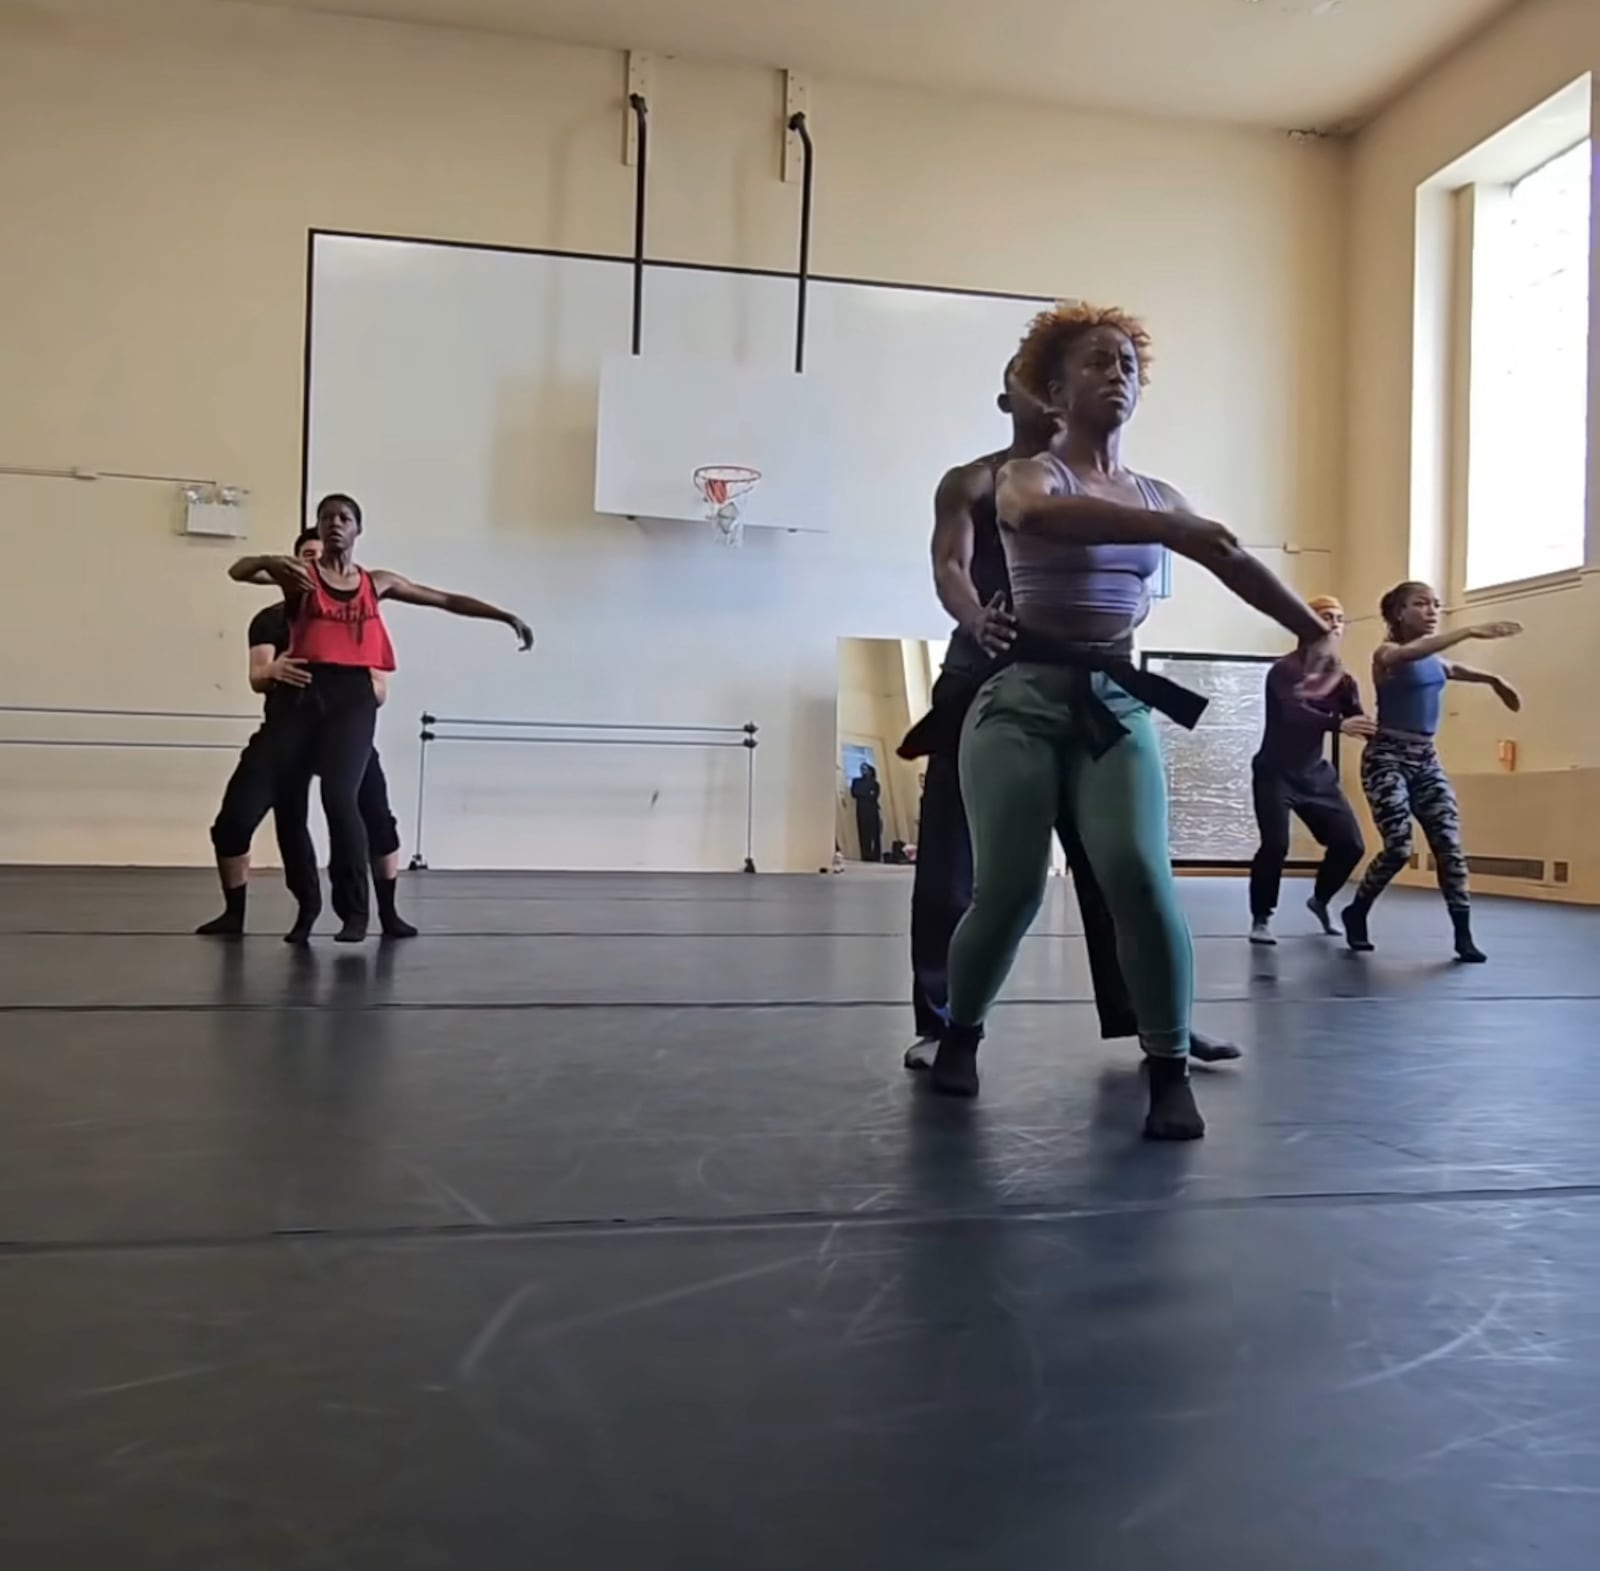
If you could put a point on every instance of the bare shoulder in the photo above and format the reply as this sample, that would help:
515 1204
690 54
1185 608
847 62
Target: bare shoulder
1034 473
970 482
1171 497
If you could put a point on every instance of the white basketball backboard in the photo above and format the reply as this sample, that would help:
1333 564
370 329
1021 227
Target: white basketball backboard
662 417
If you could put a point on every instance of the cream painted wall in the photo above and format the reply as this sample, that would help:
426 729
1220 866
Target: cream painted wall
1534 52
158 179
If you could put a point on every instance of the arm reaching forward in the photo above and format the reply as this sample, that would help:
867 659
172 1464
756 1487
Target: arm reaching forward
1503 690
1392 654
1252 581
391 586
289 573
1028 500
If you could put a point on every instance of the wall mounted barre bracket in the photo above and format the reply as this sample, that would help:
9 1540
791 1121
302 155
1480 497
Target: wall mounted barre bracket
641 83
796 101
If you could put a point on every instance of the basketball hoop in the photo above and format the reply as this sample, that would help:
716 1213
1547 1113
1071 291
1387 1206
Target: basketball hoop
723 488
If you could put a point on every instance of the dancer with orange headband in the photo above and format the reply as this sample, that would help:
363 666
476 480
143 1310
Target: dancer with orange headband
1291 775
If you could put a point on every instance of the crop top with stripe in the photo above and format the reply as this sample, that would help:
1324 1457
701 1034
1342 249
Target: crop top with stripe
1050 576
341 626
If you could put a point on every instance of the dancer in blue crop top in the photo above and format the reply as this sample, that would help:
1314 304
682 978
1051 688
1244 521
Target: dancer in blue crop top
1400 771
1064 731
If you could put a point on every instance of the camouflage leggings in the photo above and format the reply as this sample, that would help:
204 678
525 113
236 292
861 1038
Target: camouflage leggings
1403 780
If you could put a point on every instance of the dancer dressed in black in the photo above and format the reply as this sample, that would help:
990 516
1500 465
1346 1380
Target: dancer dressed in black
867 794
1289 774
264 779
337 631
969 571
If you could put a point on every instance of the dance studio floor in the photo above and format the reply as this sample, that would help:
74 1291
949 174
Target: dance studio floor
600 1227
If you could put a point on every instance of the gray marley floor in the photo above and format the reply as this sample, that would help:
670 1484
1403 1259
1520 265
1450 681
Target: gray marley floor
600 1227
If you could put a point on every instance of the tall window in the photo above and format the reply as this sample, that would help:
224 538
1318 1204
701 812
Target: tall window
1530 376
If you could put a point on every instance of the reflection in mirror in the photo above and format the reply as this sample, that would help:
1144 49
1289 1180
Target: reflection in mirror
883 687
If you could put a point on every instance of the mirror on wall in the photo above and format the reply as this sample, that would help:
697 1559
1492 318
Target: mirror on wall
883 687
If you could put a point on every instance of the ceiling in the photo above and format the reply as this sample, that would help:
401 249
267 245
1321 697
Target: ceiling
1294 64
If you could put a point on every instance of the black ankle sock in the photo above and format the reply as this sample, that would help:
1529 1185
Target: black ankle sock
393 924
1354 919
353 930
1173 1114
231 923
955 1066
305 919
1466 950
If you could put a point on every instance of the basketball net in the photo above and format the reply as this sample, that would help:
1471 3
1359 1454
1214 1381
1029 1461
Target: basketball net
723 488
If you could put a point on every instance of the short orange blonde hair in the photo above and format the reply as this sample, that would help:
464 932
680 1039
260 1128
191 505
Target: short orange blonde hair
1051 333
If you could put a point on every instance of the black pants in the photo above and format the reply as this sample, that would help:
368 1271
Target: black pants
869 830
325 729
941 891
290 815
1317 800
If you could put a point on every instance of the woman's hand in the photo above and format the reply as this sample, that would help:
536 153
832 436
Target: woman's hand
288 672
1506 693
522 630
1495 630
287 571
1359 725
1320 667
994 630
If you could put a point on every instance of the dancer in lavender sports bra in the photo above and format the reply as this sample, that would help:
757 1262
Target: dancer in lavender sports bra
1064 729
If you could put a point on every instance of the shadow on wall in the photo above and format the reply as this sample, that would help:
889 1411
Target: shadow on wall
883 686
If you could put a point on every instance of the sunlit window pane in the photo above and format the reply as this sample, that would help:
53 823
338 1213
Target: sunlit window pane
1530 377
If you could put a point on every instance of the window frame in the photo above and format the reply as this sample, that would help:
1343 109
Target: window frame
1474 201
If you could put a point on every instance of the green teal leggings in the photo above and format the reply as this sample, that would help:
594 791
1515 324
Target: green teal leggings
1024 766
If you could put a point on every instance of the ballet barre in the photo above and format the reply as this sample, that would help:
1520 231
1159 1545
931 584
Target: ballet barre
586 733
72 712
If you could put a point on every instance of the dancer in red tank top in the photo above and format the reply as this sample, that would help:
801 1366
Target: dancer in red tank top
337 630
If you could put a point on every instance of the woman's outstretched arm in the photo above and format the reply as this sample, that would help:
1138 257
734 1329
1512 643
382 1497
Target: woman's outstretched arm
391 586
1392 654
1026 500
1247 576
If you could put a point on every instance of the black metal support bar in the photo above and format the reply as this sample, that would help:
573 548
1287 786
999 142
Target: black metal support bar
797 124
641 112
708 744
305 378
587 725
749 745
419 862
